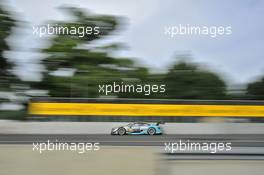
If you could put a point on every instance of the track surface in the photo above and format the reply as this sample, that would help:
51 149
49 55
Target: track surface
132 140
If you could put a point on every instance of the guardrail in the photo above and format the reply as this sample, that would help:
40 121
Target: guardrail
143 109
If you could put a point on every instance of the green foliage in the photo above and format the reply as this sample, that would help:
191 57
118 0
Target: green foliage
188 81
6 23
91 65
95 65
255 90
13 115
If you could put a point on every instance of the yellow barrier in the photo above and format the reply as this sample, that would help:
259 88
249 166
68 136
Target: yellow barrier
110 109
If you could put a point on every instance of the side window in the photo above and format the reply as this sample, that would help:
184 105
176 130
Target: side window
143 124
135 125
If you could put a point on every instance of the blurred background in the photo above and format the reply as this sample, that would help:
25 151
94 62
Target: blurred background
131 48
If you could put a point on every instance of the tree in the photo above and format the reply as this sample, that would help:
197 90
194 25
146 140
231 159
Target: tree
90 66
188 81
255 90
6 75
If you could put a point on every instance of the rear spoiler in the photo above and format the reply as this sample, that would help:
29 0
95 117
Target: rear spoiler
161 122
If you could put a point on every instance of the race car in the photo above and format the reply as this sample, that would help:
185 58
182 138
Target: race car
138 128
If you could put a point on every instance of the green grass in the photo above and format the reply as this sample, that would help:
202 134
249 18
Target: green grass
13 115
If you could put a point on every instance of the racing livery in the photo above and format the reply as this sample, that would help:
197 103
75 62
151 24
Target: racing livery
138 128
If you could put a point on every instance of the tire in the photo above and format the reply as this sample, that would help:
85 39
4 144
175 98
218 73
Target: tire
121 131
151 131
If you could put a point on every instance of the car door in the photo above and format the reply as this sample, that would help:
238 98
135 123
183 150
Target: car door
135 128
143 126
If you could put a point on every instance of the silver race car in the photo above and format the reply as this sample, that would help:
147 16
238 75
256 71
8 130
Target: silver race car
138 128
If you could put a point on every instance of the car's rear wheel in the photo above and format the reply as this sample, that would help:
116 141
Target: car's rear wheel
121 131
151 131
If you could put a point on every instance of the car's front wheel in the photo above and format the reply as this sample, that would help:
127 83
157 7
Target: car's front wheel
151 131
121 131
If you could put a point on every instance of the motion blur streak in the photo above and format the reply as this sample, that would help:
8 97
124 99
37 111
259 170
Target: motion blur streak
108 109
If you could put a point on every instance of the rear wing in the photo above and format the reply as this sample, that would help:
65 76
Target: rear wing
161 122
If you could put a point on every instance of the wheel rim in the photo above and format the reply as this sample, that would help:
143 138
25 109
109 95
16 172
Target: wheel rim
151 131
121 132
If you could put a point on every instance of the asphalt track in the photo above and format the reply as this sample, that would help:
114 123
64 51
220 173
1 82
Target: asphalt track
133 140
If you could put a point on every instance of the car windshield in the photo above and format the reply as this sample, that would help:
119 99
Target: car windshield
130 124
